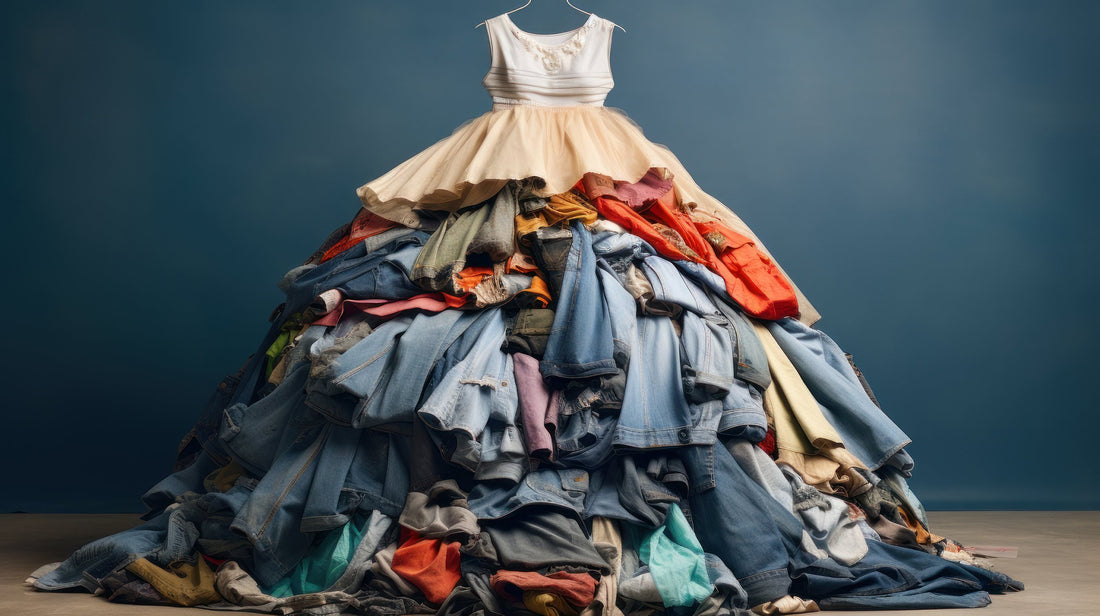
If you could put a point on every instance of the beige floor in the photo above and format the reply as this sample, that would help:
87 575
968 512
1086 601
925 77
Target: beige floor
1059 560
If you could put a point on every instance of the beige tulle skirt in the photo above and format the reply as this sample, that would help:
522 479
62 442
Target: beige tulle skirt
556 144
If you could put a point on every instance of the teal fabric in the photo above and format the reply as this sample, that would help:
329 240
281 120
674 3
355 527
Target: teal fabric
675 559
324 564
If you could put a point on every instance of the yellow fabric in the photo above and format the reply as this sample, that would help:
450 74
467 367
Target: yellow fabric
559 209
547 604
183 583
558 145
804 438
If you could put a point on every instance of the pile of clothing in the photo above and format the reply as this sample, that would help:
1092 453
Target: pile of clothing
594 403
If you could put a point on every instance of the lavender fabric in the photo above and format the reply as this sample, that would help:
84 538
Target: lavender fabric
535 403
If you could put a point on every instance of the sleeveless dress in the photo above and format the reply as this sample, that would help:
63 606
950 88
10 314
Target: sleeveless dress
541 371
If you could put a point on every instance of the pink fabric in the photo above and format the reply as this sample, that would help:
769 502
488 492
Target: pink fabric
428 302
535 401
637 195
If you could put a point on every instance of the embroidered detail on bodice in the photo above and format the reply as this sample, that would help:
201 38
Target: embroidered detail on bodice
555 70
552 56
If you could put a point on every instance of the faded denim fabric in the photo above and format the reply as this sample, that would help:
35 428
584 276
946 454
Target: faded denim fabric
358 470
168 536
622 253
743 414
752 364
738 521
707 356
891 577
655 411
564 488
636 488
864 429
384 375
579 307
377 267
472 409
672 291
590 409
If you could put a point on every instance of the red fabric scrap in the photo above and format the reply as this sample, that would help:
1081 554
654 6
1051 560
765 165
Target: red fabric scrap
577 589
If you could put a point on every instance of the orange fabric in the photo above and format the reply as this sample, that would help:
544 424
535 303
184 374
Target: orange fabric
924 536
755 282
429 564
538 293
751 278
623 215
471 276
664 211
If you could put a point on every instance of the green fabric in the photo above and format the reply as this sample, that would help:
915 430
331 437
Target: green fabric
324 564
675 559
275 352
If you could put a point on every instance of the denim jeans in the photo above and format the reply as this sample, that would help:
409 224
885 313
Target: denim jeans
891 577
636 488
385 374
253 435
621 251
590 408
563 488
706 354
377 267
587 415
655 411
738 521
474 404
580 343
743 413
168 536
357 470
673 290
271 518
864 429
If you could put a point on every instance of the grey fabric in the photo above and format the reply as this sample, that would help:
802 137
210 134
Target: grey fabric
440 513
537 538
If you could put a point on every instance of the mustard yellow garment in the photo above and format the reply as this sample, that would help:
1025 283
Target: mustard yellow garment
183 583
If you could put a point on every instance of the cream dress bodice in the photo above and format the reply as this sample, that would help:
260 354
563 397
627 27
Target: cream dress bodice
554 70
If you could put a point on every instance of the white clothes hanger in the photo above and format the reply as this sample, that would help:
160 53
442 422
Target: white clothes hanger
566 1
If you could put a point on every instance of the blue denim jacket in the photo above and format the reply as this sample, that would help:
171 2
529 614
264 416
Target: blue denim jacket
473 406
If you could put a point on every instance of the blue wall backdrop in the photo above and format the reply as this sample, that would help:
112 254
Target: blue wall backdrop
925 170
